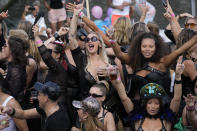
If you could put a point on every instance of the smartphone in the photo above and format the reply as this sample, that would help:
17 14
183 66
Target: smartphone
164 3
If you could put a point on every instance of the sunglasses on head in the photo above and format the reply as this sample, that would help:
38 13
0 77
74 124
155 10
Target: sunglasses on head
95 95
190 25
93 39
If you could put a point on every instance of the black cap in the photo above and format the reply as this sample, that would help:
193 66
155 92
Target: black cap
51 89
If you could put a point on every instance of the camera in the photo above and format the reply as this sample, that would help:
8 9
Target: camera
31 8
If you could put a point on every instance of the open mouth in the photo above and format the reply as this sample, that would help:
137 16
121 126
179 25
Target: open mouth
91 46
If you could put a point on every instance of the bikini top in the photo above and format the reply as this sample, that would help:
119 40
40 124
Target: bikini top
135 82
142 121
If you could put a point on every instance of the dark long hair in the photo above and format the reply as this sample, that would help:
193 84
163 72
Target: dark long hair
135 54
17 50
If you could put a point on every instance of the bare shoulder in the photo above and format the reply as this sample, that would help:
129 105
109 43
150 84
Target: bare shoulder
13 103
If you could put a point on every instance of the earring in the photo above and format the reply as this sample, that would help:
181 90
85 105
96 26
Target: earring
98 51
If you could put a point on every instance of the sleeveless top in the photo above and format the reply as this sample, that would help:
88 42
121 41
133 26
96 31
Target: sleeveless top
135 82
142 121
102 118
11 126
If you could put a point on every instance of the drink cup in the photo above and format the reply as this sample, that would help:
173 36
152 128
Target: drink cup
113 72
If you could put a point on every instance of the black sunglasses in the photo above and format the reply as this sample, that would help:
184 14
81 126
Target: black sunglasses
95 95
93 39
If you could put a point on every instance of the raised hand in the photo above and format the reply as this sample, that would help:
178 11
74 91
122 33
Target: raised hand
4 15
63 31
179 66
189 100
35 29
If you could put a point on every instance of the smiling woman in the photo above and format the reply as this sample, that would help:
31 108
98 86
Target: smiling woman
91 59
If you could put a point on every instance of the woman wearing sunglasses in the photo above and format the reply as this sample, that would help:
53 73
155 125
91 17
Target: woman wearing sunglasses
99 92
93 57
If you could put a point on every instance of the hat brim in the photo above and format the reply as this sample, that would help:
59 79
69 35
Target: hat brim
38 86
77 104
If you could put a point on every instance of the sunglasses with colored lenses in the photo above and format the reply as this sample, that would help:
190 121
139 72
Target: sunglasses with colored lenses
95 95
93 39
190 25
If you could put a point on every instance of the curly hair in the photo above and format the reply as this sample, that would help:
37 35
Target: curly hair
138 60
17 48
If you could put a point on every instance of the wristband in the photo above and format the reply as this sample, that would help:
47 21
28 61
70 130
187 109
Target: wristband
13 112
56 36
190 108
172 15
178 81
81 14
38 41
112 41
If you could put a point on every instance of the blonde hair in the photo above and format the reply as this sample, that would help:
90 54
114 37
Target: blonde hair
101 49
121 27
26 26
34 52
92 123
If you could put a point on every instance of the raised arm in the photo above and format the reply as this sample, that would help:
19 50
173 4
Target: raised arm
118 85
175 103
46 5
174 24
73 27
168 60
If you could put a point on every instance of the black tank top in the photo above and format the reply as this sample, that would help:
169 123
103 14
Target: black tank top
56 4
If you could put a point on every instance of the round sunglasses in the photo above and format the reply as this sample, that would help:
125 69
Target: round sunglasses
92 39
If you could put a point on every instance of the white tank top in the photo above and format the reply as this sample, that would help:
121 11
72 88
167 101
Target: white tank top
12 126
126 9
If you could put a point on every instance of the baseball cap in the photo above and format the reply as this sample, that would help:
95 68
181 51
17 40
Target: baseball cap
89 104
51 89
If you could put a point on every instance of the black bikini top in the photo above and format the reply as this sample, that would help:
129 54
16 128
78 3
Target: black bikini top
142 121
135 82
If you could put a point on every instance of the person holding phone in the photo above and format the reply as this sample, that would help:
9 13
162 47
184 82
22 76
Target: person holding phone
34 13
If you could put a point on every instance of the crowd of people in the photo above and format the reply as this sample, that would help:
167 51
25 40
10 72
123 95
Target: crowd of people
71 76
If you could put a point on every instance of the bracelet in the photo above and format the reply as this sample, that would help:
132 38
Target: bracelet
38 41
81 14
13 112
56 36
190 108
112 41
172 15
178 81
